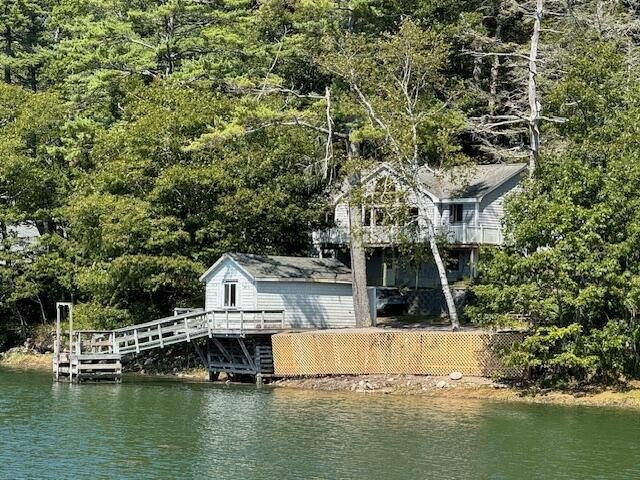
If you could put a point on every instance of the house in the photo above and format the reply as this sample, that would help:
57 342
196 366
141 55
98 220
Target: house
464 205
313 292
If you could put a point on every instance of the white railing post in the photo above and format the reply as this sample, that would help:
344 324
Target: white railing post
112 340
481 233
160 336
464 233
209 320
186 326
135 339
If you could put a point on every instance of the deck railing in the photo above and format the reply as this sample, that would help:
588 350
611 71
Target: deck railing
386 235
176 329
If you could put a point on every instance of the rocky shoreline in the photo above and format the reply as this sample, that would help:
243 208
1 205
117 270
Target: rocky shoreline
476 388
182 363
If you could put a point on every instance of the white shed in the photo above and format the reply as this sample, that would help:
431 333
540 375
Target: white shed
313 292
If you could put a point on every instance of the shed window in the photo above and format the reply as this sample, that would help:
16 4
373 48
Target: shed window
456 212
230 290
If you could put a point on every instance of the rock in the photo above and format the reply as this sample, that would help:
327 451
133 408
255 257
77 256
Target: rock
579 394
455 376
148 362
441 384
361 383
499 385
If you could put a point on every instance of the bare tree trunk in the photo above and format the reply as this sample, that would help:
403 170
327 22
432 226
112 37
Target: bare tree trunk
477 66
495 70
535 108
444 281
357 250
358 267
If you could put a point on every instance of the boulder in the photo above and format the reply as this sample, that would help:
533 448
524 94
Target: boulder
441 384
455 376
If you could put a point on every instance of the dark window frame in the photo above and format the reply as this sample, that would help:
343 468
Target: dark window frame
230 294
456 212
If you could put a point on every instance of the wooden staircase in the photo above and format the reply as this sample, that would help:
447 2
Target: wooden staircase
241 356
238 342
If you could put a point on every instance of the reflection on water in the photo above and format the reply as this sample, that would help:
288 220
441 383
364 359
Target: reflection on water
180 430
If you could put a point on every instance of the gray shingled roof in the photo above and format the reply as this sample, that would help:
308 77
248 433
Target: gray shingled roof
468 181
300 269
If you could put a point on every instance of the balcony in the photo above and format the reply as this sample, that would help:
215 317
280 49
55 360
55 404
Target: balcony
377 236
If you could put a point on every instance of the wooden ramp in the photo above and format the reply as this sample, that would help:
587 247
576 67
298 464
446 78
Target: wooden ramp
236 342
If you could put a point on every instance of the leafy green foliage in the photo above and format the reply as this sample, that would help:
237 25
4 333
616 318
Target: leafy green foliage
572 261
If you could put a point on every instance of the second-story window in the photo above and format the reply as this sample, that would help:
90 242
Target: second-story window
456 213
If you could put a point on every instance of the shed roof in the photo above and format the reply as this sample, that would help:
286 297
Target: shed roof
276 268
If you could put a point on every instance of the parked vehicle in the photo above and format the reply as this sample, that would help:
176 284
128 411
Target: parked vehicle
390 301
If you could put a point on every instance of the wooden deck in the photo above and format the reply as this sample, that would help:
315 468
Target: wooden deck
96 354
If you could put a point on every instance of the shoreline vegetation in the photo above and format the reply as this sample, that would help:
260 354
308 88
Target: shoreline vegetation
467 388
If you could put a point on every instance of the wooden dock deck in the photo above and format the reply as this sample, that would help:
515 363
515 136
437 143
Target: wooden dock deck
237 342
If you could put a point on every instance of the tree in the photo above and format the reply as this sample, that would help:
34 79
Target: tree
393 85
573 243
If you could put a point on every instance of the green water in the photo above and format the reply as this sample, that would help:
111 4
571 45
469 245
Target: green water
144 429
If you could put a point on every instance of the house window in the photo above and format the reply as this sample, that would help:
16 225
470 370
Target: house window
330 219
456 213
414 214
367 217
230 294
378 216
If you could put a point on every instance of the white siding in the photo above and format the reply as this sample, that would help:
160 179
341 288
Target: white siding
492 206
214 290
306 304
342 215
426 209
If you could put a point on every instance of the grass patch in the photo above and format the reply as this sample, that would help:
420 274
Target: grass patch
30 360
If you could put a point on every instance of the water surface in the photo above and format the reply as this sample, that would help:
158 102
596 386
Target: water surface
153 429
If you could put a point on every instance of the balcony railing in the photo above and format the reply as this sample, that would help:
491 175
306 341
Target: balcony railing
387 235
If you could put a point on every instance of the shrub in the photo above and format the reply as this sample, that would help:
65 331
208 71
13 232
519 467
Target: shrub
567 357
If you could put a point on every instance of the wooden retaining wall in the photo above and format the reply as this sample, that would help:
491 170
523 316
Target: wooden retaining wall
384 351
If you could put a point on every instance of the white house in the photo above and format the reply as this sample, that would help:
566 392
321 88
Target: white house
464 204
313 292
